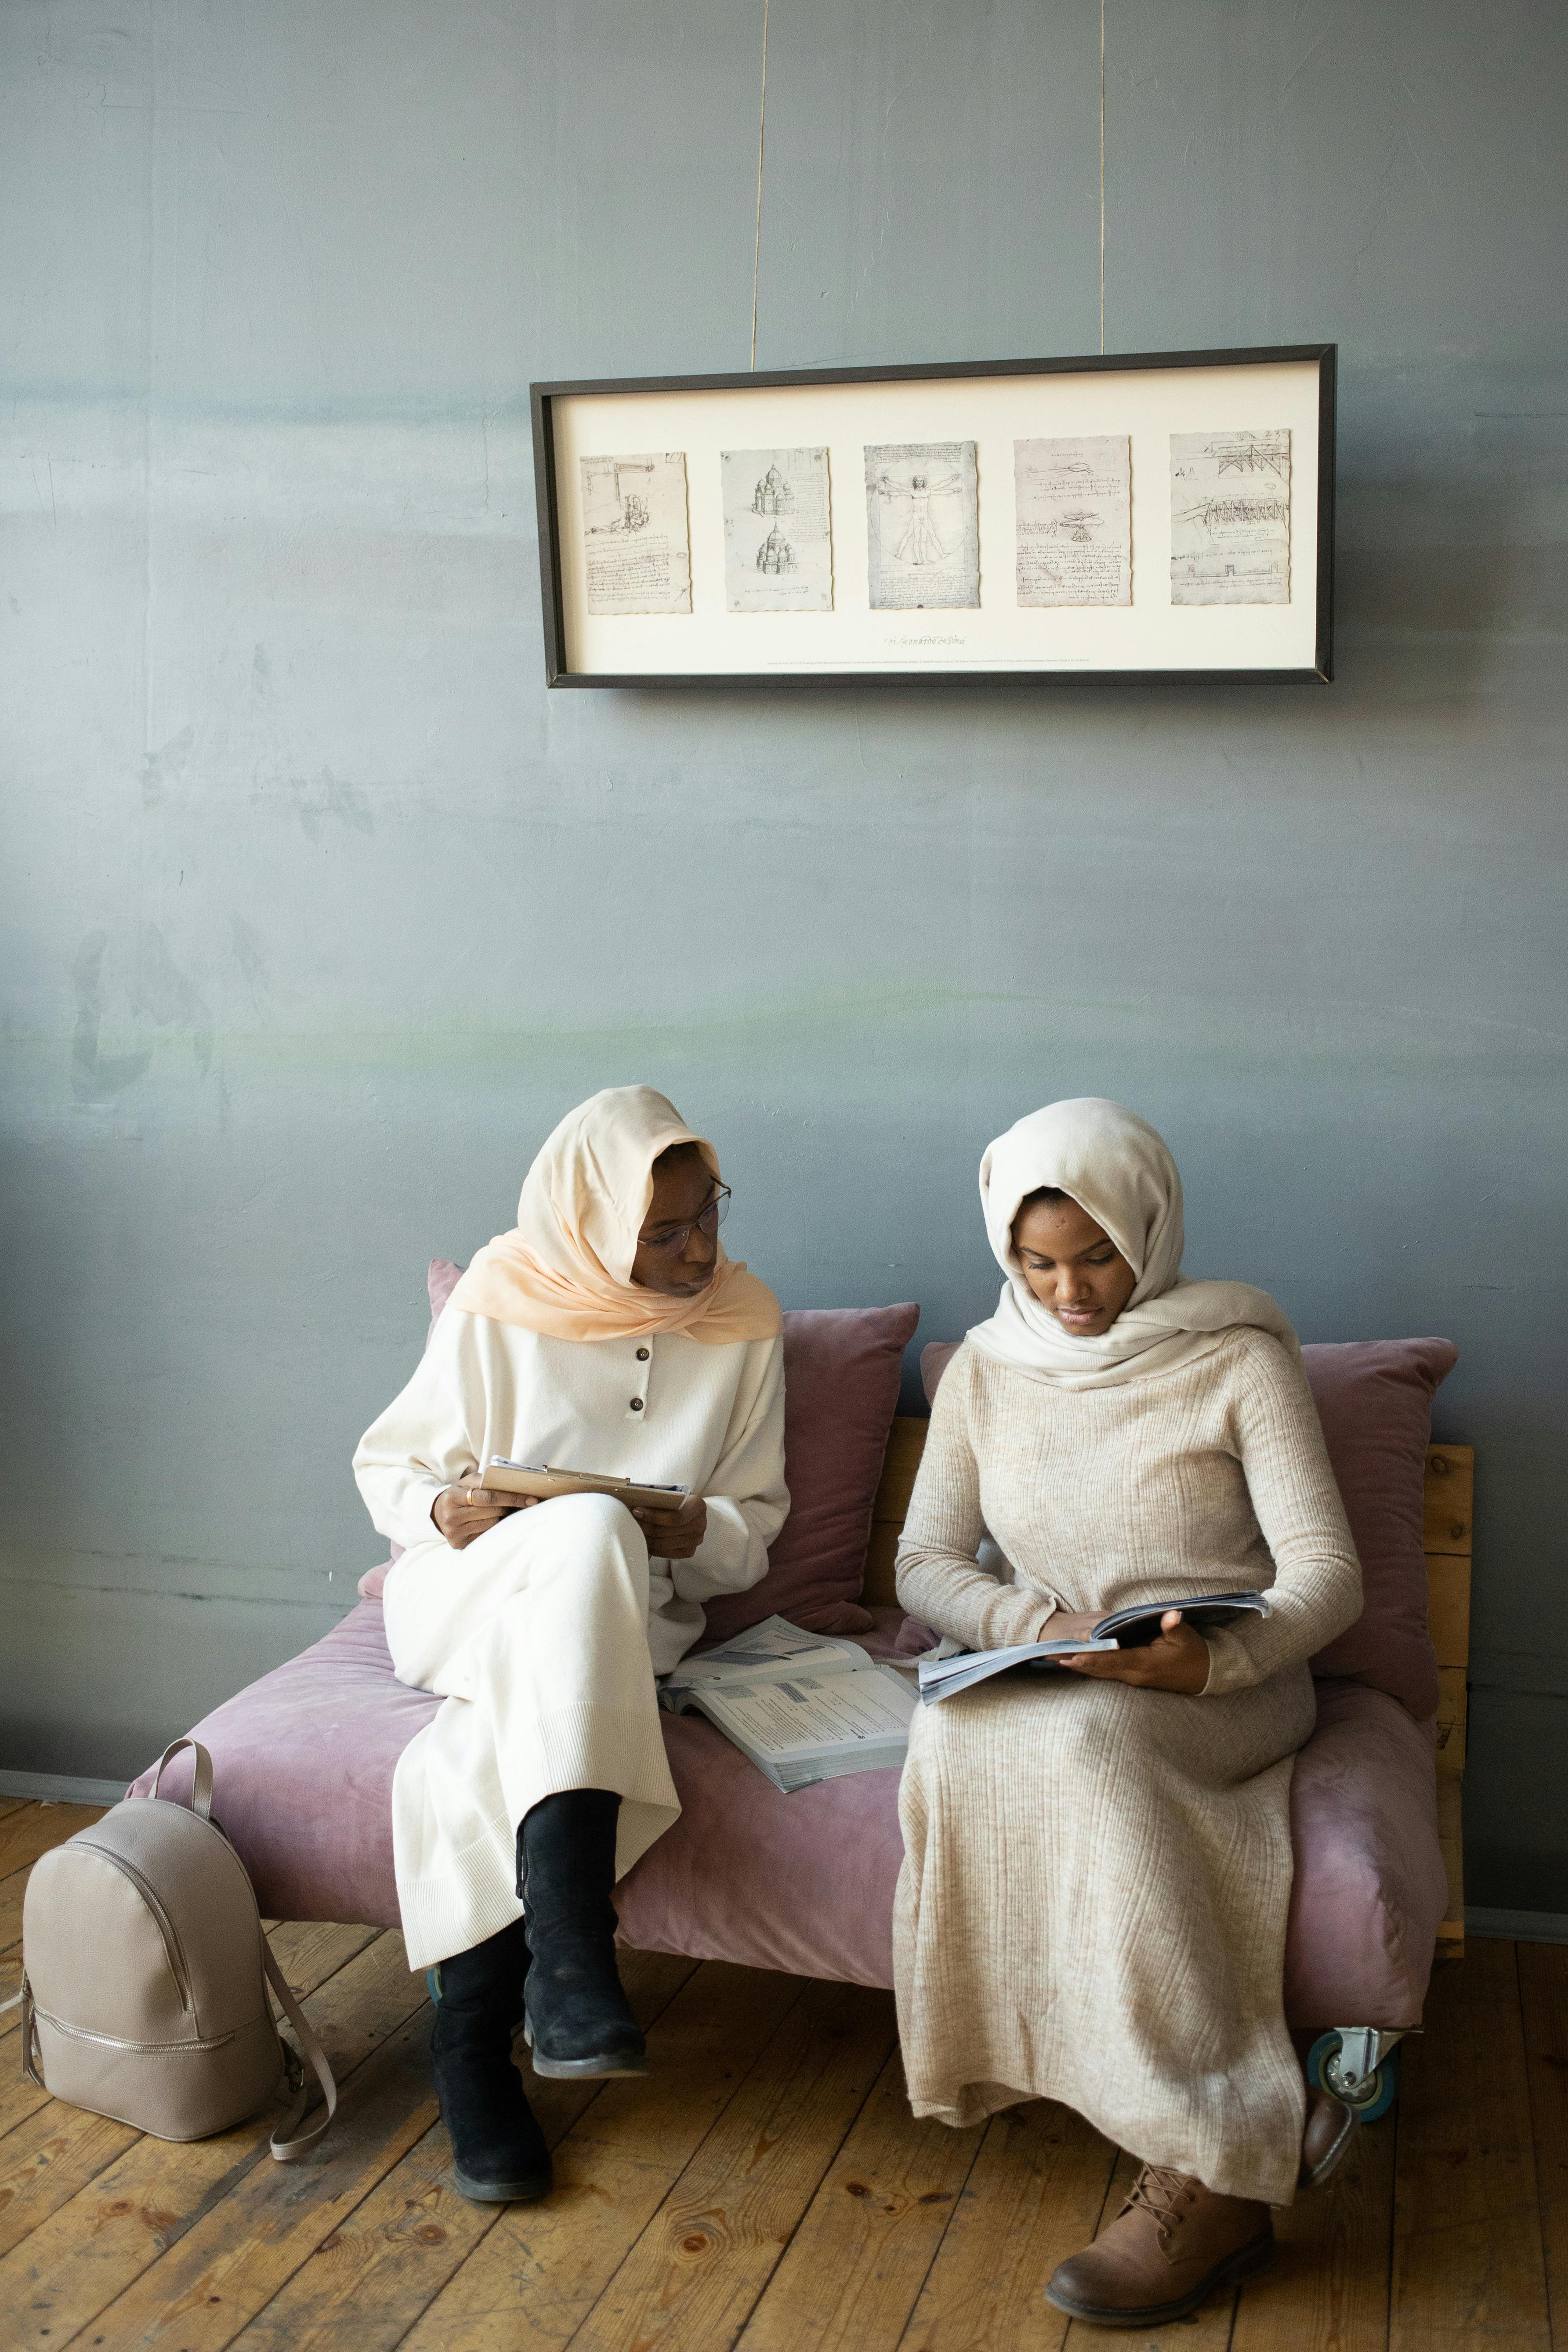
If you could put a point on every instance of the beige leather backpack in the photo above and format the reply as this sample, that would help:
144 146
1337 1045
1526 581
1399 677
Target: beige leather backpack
144 1977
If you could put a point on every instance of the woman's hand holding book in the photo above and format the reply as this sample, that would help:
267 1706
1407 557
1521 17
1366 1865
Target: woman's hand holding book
1177 1660
674 1534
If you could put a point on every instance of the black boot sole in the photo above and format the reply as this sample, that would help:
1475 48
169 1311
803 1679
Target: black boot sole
527 2189
607 2063
1250 2263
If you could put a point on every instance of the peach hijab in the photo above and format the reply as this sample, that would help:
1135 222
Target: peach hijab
1118 1168
565 1268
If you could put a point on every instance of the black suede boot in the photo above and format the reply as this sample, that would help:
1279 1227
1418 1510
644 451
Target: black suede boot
578 2021
499 2153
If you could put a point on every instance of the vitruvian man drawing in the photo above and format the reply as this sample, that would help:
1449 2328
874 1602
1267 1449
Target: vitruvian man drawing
922 525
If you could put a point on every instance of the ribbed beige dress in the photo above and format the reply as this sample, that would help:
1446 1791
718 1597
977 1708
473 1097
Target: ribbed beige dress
1096 1879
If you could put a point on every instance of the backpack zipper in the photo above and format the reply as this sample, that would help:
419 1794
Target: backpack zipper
174 1950
138 2049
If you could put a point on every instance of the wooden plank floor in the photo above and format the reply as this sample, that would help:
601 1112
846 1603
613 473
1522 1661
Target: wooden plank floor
764 2188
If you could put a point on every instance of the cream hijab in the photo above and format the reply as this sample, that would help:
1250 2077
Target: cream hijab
1115 1166
565 1268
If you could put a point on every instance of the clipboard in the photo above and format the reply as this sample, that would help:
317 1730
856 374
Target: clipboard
545 1484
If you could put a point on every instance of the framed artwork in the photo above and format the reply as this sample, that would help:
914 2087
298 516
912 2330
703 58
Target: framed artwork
1164 514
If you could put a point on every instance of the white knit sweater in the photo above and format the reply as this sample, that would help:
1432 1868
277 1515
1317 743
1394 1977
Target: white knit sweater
1212 1478
666 1409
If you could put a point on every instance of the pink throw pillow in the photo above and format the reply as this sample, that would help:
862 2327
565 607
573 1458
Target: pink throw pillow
842 1370
1374 1401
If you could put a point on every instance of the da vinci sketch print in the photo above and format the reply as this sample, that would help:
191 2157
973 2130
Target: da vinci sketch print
1074 502
635 544
1230 518
923 526
778 542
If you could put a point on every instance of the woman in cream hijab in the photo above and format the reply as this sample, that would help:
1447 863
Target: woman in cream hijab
1098 1864
606 1332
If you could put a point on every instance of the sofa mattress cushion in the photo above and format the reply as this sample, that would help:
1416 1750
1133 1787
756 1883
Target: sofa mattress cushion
302 1782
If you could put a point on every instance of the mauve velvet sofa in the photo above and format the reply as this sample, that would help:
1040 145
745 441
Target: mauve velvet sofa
303 1760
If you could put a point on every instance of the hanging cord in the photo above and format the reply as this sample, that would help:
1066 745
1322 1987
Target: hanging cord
761 133
1101 192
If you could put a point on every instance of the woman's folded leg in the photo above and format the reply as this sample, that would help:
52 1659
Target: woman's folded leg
536 1634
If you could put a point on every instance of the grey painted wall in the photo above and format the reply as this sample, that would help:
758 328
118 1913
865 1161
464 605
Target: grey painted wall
321 910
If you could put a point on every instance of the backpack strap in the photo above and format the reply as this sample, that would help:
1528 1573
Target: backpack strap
201 1780
32 2056
288 2143
30 2053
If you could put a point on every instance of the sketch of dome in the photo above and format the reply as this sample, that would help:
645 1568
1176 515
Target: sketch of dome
773 495
776 553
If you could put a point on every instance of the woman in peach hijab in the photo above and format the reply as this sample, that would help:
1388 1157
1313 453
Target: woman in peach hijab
606 1332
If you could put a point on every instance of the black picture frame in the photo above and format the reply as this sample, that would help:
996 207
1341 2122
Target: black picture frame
543 398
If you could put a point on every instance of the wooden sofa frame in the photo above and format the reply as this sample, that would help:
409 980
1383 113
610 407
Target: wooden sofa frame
1449 1501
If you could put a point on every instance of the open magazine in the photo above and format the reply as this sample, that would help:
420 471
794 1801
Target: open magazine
802 1707
1124 1628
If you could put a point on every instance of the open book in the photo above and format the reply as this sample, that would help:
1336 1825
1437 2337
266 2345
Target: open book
803 1708
1124 1628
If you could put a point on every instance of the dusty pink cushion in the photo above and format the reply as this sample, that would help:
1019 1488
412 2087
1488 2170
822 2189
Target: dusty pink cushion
303 1763
1374 1400
842 1370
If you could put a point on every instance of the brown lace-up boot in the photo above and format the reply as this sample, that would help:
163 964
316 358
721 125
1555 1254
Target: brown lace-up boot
1174 2242
1331 2125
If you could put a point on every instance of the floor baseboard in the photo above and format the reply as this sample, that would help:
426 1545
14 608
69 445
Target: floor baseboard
60 1789
1518 1926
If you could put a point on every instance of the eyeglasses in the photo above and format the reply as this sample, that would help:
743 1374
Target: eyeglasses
708 1221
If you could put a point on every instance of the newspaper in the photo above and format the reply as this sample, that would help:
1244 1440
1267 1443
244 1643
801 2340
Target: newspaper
1230 518
1074 498
801 1707
635 544
778 538
923 526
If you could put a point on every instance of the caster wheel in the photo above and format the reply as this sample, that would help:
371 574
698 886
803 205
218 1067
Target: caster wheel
1370 2098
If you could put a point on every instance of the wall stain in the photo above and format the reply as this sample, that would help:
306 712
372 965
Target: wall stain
328 797
157 990
96 1076
249 954
165 766
160 990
